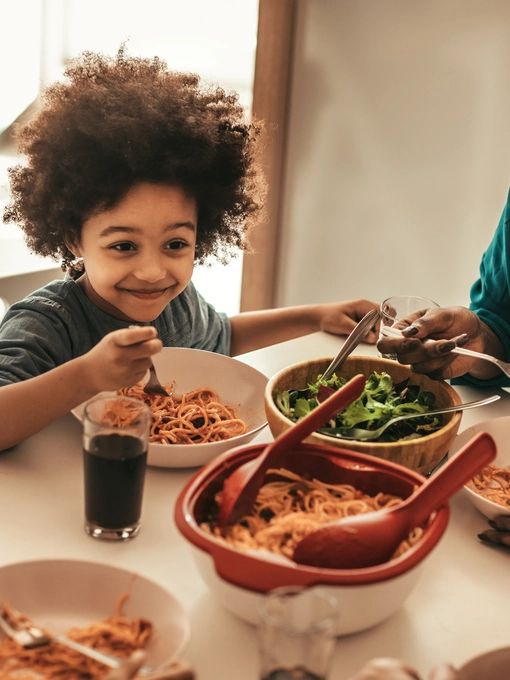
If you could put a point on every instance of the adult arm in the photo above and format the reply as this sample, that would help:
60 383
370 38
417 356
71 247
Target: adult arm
484 327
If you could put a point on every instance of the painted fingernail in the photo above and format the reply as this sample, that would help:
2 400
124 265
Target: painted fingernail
409 345
410 330
446 347
462 340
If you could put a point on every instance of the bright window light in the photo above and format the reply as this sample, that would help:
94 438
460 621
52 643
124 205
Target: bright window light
214 38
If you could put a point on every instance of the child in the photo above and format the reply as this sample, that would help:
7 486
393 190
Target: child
133 174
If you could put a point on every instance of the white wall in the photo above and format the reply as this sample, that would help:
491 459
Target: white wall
399 152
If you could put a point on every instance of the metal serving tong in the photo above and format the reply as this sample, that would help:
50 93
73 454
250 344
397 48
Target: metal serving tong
357 335
504 366
362 434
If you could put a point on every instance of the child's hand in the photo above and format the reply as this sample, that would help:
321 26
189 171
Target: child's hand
122 358
341 317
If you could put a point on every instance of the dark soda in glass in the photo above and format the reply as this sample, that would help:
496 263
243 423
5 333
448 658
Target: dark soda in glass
114 478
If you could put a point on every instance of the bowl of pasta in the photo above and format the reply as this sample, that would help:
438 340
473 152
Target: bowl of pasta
310 485
489 490
216 403
392 389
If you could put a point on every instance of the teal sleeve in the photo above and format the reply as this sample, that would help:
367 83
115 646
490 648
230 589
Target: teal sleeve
490 294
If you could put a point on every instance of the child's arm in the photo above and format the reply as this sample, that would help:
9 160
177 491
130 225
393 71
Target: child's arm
253 330
121 359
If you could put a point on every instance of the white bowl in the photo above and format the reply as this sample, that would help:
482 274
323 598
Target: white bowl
236 383
361 606
499 428
60 594
491 665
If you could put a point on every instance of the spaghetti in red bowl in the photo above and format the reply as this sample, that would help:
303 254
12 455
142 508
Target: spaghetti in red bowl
238 577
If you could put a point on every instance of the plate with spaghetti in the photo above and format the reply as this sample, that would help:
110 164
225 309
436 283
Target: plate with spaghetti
113 609
217 403
489 490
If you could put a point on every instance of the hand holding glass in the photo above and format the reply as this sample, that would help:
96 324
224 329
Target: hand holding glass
398 307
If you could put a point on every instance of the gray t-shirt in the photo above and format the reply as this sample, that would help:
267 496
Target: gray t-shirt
58 323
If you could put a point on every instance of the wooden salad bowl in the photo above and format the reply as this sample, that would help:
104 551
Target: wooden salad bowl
420 454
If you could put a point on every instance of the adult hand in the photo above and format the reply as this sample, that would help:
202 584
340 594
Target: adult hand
340 318
430 335
500 532
122 357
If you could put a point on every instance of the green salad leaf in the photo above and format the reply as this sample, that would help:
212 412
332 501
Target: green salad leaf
380 401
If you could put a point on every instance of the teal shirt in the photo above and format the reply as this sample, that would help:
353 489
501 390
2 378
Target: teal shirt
490 294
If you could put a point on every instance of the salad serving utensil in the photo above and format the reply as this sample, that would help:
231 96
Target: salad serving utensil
358 333
241 487
371 538
504 366
362 434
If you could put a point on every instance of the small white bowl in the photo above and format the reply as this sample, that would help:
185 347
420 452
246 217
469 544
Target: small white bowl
236 383
499 428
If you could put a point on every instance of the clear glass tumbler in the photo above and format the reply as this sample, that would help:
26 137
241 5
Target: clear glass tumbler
398 307
297 633
115 442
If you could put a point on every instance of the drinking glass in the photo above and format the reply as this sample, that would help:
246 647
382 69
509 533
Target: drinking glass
297 633
115 441
398 307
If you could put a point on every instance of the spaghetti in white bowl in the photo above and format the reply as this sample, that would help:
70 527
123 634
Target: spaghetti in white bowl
235 386
489 491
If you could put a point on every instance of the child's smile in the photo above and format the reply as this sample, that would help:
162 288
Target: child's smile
140 254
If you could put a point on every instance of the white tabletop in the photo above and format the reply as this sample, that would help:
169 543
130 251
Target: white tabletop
458 609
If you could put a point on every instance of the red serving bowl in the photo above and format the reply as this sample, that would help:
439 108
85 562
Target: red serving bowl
238 578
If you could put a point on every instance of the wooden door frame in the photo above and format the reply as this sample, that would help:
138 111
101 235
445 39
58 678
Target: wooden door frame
271 96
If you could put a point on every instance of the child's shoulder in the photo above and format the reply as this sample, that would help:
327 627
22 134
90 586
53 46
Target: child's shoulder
57 290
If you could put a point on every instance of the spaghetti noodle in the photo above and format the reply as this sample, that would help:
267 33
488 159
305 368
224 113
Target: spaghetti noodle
493 483
115 635
195 417
286 511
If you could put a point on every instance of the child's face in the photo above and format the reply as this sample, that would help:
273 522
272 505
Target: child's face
139 255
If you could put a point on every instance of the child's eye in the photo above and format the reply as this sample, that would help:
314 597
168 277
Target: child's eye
123 247
176 245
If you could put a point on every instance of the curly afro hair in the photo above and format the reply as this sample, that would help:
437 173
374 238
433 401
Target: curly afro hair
114 122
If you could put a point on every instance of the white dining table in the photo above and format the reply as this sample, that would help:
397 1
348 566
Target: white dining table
458 609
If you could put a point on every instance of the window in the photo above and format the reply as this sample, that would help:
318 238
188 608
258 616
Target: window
216 39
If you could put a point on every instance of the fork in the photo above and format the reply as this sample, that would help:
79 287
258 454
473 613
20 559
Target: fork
504 366
29 636
368 435
153 386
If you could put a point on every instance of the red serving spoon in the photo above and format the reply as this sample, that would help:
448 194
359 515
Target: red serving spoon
372 538
241 487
